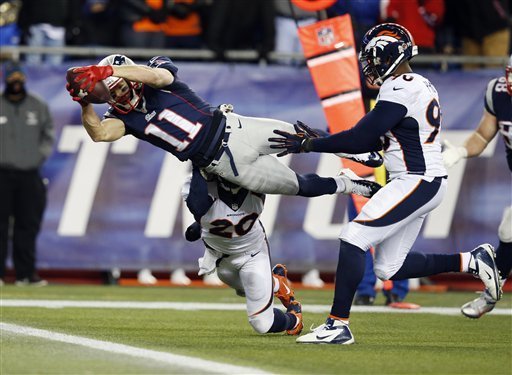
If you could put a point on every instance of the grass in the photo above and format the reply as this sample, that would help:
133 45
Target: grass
386 343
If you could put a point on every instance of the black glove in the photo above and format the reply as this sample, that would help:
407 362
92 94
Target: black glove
157 15
291 143
193 232
300 127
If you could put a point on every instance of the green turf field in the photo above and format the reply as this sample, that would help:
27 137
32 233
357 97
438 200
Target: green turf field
386 343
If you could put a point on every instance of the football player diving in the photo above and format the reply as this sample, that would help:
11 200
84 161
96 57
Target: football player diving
153 104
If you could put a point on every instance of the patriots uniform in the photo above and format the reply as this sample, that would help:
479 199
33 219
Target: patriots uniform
499 103
413 146
173 118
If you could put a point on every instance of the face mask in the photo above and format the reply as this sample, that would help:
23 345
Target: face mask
15 87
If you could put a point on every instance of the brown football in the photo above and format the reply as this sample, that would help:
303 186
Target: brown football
100 94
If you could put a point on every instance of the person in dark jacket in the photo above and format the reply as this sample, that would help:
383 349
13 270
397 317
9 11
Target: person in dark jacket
26 140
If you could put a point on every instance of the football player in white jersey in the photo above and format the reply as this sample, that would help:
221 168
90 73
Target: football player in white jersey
405 124
497 118
227 220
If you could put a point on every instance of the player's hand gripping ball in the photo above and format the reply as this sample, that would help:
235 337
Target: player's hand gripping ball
99 93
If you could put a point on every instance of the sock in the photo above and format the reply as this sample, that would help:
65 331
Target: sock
464 261
504 258
349 273
312 185
341 186
420 265
276 284
282 321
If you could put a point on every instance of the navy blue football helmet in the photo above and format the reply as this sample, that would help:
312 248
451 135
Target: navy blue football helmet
383 49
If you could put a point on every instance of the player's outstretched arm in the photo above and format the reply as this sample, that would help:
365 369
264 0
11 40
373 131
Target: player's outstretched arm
108 130
154 77
475 144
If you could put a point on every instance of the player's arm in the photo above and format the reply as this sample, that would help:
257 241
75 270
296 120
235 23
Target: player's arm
154 77
108 130
475 144
363 137
197 199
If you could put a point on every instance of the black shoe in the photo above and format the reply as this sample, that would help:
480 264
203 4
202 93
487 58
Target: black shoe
362 300
391 298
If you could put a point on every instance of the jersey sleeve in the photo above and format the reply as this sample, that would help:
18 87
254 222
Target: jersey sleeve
489 96
164 63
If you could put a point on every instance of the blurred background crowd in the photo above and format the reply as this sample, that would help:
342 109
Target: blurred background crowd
461 27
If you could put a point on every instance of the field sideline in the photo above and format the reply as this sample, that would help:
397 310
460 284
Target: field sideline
140 330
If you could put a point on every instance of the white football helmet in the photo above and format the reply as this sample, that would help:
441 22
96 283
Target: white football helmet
125 95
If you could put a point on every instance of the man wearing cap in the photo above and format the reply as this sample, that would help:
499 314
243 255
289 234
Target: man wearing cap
26 140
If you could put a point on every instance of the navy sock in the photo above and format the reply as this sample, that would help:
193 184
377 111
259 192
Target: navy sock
420 265
504 258
349 273
312 185
282 321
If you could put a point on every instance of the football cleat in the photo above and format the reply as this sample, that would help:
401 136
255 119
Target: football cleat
356 185
479 306
364 300
179 277
483 266
370 159
145 277
334 331
312 279
295 308
285 292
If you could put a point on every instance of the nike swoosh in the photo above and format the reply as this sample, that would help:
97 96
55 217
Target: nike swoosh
330 335
239 125
288 291
489 277
253 255
397 88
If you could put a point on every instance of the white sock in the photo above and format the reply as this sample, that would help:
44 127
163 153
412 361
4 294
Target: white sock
341 185
465 258
276 284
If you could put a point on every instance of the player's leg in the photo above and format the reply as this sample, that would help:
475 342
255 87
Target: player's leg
396 205
485 302
256 279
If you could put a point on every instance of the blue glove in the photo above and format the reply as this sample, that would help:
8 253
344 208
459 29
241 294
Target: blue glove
193 232
300 127
291 143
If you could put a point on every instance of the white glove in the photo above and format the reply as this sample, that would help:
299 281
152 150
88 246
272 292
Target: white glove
452 154
227 108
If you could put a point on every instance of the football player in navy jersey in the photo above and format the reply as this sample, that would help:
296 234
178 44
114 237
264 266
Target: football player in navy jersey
497 118
227 220
407 117
153 104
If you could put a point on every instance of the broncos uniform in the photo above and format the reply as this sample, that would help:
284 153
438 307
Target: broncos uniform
236 245
405 123
499 104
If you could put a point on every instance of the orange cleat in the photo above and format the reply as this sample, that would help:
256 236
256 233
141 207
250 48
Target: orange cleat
285 292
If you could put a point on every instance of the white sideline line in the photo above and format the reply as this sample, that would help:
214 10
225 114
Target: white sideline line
192 363
188 306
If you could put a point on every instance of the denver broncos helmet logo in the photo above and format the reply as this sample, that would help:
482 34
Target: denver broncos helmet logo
390 33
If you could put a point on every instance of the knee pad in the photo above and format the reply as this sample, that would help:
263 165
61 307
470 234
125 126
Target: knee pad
505 228
261 323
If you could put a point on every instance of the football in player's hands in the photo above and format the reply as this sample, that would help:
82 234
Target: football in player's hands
100 94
